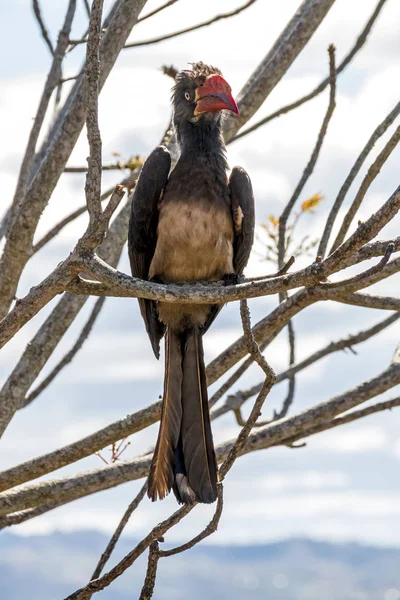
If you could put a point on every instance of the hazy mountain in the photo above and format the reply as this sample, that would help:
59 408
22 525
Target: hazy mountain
50 567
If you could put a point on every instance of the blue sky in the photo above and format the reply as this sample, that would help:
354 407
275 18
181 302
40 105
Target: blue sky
344 484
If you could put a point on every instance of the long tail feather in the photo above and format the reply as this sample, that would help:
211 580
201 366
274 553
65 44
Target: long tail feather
161 477
197 443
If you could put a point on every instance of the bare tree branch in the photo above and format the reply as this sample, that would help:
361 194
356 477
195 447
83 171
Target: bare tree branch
236 400
38 297
157 10
362 38
270 378
42 26
169 36
18 247
27 369
76 486
370 301
77 450
150 579
128 182
93 178
373 171
156 533
270 71
50 85
25 515
355 415
117 533
379 131
209 530
287 403
70 355
312 161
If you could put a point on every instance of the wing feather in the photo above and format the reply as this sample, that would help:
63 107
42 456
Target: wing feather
244 217
142 233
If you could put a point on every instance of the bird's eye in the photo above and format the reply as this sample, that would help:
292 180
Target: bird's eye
187 95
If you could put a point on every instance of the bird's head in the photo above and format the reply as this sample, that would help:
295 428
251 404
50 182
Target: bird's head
200 94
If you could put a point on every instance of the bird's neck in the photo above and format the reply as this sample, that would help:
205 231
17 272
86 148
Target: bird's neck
202 142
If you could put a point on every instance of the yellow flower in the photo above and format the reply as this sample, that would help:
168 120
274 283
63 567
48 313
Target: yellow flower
273 220
134 162
312 202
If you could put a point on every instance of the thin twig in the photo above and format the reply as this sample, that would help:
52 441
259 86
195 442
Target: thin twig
117 533
236 400
70 355
379 131
346 284
87 7
313 159
156 533
254 350
210 529
287 403
249 361
118 166
54 231
51 83
156 10
236 375
373 171
39 19
361 39
161 38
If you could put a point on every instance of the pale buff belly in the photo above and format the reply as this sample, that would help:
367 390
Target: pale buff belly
194 244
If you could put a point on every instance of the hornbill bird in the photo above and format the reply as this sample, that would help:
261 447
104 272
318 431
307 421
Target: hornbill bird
190 224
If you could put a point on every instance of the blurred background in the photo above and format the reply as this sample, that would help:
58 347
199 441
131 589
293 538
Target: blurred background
317 522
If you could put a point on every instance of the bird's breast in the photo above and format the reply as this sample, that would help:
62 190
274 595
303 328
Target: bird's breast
194 241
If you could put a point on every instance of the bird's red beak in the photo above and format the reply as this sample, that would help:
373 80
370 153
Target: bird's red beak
214 95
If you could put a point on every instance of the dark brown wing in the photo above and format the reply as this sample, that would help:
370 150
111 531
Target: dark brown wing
242 198
243 213
142 234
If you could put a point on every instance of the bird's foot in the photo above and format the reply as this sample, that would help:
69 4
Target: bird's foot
231 279
156 280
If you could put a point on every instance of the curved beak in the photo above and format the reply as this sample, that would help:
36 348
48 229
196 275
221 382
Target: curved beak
215 95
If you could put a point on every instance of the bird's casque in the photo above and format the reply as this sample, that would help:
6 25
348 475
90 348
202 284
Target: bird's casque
200 94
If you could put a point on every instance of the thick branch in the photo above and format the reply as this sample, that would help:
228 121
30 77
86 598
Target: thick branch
18 247
93 178
76 486
52 330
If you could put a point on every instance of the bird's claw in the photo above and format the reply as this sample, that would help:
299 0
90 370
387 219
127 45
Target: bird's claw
231 279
